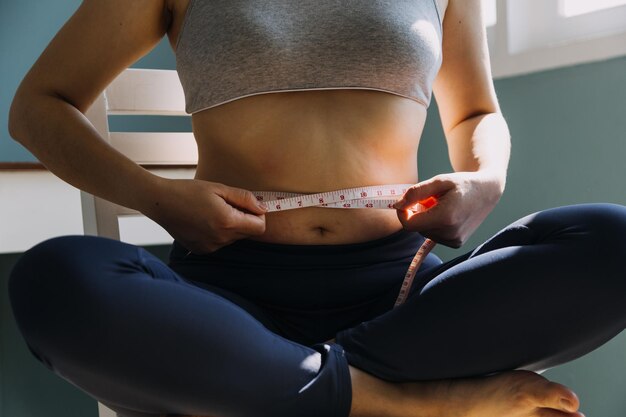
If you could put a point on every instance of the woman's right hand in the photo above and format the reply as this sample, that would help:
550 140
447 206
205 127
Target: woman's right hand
203 215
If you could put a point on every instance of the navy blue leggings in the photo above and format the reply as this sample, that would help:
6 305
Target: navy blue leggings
240 332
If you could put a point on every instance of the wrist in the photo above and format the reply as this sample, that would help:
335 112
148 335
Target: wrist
149 198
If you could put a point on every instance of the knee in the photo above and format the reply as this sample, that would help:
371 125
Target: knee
606 222
37 270
592 234
51 277
33 287
44 264
39 265
602 228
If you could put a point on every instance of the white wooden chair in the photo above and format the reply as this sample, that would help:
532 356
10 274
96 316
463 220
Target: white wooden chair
172 155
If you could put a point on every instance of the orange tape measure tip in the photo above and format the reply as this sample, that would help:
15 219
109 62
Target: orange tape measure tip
429 202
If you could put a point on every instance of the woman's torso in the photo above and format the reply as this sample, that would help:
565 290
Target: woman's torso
307 142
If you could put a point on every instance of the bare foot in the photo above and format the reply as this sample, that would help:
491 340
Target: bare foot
517 393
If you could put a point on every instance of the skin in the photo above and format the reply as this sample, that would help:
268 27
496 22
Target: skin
335 139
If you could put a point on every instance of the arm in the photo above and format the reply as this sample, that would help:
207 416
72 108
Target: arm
100 40
476 133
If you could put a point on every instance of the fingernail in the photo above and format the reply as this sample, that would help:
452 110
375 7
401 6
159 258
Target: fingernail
567 404
262 205
398 204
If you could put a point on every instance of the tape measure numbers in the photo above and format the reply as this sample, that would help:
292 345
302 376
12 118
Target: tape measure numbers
376 196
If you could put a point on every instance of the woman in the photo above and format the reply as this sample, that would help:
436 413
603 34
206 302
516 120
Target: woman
291 313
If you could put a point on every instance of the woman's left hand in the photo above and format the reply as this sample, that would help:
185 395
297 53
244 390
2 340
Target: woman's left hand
464 199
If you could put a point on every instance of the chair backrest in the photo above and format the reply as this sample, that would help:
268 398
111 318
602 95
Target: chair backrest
139 92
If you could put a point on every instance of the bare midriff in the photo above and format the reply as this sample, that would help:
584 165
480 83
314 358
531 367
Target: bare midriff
308 142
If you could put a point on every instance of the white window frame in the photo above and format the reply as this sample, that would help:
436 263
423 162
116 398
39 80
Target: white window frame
532 35
587 6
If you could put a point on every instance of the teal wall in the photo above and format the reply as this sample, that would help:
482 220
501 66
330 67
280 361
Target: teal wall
568 142
26 27
568 147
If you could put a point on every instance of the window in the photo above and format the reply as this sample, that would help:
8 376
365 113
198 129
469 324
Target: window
490 18
538 23
489 12
569 8
534 35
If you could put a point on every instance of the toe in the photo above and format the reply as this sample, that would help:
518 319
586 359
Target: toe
550 412
562 398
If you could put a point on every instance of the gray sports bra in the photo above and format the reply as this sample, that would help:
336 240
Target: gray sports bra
230 49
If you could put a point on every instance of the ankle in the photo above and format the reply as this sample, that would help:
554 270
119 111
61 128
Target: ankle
372 396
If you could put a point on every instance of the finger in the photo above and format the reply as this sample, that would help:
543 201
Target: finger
419 220
442 235
248 224
241 198
422 191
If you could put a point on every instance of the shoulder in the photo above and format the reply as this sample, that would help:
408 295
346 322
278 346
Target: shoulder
456 6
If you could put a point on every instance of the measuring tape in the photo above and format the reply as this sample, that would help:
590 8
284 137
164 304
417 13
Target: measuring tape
376 196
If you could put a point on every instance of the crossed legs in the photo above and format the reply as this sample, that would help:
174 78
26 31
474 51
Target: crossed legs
121 325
